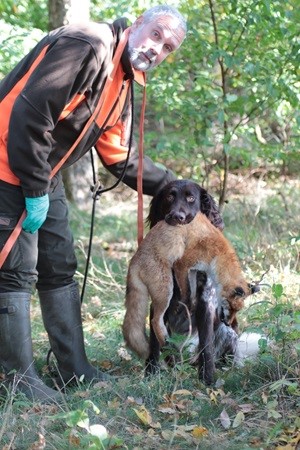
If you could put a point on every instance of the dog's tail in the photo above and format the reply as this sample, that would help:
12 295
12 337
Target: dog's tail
134 325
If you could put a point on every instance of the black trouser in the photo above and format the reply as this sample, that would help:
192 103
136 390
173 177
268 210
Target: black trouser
47 257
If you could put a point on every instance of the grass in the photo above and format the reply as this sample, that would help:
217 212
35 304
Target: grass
256 406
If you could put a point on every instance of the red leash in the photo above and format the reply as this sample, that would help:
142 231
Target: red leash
140 218
11 240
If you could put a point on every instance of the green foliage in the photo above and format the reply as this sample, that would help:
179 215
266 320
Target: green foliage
232 90
16 42
236 73
278 319
95 437
27 14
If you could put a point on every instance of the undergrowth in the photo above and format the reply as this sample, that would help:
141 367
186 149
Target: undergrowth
253 406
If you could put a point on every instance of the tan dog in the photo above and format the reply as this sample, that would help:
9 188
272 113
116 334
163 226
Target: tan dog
197 246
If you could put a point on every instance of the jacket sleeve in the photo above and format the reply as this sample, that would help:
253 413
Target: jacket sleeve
62 73
113 151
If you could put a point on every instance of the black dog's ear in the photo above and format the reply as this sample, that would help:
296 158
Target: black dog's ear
254 288
239 291
209 208
155 213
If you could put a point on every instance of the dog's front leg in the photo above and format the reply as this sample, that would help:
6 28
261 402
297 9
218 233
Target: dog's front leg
152 362
161 296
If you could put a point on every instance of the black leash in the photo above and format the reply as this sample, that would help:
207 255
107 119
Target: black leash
97 191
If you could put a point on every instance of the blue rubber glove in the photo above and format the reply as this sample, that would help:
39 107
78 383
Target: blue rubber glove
36 208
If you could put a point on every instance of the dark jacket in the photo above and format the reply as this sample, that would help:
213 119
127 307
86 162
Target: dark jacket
47 99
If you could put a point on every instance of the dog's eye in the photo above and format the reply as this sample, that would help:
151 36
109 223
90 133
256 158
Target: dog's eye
170 198
190 199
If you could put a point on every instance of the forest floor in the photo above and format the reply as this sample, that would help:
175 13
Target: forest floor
255 406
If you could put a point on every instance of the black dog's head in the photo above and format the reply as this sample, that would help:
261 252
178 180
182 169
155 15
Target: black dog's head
179 201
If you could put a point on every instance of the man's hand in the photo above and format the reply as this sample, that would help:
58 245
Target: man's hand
36 208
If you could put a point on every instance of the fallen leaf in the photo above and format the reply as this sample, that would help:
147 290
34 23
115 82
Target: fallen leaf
182 392
264 398
238 420
225 419
187 427
101 385
115 403
199 432
123 353
74 440
181 433
167 410
136 401
151 432
246 407
40 444
106 364
155 425
167 435
144 415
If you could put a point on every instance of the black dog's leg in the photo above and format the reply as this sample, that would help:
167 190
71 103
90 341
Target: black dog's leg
205 312
152 362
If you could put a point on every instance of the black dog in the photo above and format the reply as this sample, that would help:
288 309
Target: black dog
178 203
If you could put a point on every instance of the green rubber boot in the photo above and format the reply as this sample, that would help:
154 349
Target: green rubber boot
16 356
61 311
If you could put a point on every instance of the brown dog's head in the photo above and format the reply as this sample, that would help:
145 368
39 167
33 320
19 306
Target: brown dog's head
179 201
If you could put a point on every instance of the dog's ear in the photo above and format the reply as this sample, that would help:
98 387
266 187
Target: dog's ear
254 288
209 208
155 213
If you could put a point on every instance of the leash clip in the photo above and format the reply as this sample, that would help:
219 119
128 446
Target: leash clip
96 190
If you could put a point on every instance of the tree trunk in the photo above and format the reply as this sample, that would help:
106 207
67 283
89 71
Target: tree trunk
79 177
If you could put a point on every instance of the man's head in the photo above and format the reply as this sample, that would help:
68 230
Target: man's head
154 35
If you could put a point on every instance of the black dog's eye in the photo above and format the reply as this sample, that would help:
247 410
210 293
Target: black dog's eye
170 198
190 199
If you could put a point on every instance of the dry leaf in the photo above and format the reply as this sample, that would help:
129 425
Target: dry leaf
151 432
246 407
286 447
101 385
181 392
115 403
106 364
238 420
264 398
225 420
123 353
144 415
136 401
40 444
167 435
167 410
199 432
182 434
187 427
74 440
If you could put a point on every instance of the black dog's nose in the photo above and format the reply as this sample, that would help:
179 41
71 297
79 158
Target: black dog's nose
180 217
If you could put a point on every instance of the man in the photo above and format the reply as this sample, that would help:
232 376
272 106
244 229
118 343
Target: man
45 103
